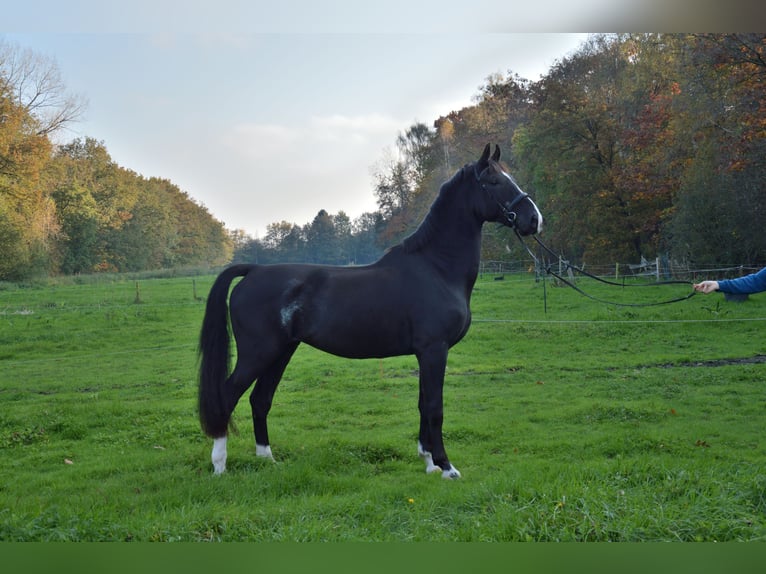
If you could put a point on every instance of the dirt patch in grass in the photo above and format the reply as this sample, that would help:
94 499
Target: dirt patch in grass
757 359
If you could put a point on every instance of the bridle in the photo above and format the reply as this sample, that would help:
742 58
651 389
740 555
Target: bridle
506 208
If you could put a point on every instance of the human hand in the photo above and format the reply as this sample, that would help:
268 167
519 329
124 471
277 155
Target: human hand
706 287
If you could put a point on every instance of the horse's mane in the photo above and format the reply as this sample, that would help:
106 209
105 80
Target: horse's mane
427 228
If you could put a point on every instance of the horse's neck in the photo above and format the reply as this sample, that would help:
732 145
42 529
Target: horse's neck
449 238
456 253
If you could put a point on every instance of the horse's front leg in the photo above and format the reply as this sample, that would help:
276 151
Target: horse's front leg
433 363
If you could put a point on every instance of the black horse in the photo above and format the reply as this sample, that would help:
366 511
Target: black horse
413 301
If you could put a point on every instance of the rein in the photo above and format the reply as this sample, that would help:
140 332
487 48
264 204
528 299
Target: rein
510 215
577 269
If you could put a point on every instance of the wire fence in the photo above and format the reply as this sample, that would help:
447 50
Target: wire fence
660 269
119 296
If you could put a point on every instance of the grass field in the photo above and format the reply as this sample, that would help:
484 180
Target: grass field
585 423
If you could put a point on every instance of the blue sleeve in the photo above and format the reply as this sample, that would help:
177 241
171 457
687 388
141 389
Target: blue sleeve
753 283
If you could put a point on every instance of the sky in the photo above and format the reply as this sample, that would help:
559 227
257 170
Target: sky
265 112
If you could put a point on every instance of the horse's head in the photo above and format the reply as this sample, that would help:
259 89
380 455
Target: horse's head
507 203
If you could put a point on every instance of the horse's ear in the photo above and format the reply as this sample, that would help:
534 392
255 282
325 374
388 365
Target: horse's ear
483 162
485 156
496 155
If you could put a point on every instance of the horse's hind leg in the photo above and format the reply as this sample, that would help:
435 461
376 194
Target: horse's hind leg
232 390
261 399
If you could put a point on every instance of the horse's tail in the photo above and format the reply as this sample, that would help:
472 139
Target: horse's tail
215 362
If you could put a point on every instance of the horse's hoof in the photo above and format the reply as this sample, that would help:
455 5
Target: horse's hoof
451 473
264 452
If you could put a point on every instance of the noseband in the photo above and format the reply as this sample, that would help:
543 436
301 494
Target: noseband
506 208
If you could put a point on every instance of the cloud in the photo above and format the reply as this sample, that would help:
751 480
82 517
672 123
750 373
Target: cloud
263 141
357 129
323 163
260 141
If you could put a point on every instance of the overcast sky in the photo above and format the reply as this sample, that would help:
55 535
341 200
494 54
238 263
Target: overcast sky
266 112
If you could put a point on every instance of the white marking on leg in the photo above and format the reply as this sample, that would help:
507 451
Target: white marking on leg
264 451
219 455
451 473
428 459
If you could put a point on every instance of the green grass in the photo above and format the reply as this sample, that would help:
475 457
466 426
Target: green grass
587 423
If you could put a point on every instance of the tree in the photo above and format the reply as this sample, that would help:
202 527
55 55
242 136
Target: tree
27 222
71 208
150 237
416 152
343 248
720 207
321 240
78 241
284 242
650 160
34 82
568 149
601 146
239 240
393 187
365 230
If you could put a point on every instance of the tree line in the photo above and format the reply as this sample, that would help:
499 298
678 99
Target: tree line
635 145
651 144
67 209
328 239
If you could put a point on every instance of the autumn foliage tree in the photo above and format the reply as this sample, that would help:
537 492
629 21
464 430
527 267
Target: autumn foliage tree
69 208
721 201
27 214
635 145
116 220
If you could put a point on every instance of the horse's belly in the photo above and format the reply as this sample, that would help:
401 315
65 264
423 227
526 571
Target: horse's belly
363 338
361 352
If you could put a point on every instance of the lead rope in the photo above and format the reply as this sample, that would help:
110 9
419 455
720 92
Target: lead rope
577 269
